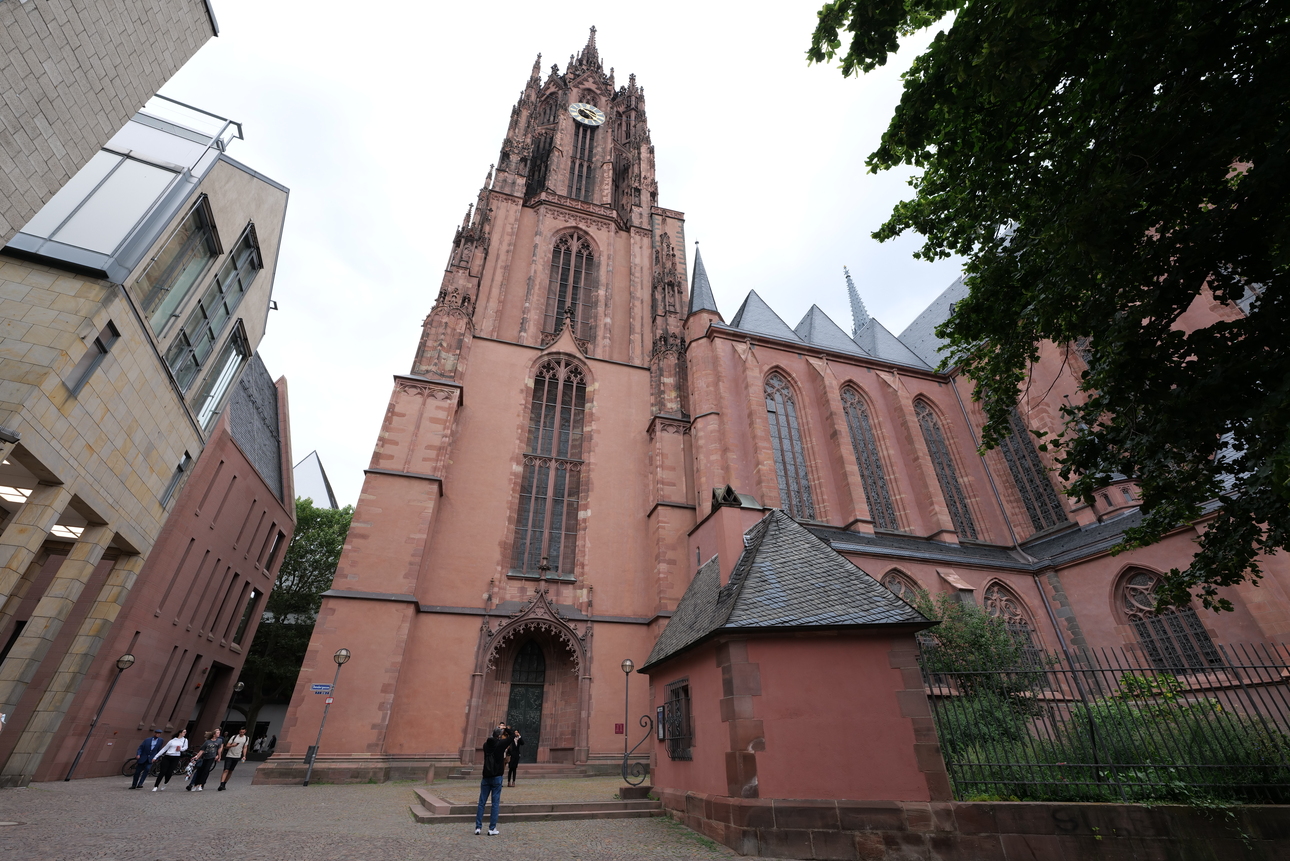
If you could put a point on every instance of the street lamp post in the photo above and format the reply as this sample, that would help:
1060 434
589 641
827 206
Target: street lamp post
122 664
341 656
627 666
237 689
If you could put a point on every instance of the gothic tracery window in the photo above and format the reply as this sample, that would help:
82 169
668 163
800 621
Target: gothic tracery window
900 585
946 475
1002 603
581 167
786 445
1031 478
572 285
1175 639
546 525
865 445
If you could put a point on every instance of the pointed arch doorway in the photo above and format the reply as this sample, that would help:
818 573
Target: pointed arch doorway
524 708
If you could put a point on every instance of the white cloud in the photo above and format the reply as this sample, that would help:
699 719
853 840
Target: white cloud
383 120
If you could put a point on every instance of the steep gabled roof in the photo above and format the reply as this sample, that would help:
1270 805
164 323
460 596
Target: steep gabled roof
877 341
819 329
701 298
920 335
786 578
755 315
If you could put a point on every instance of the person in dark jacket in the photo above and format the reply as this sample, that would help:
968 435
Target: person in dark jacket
147 752
513 755
495 749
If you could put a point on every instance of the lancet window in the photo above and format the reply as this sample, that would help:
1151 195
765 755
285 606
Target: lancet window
1002 603
786 444
946 475
572 285
1174 640
865 445
1031 478
546 524
581 168
900 585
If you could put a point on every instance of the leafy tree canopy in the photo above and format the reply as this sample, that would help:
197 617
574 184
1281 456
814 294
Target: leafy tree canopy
275 655
1105 168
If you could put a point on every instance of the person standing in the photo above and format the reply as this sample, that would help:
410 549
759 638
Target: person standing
513 756
491 783
146 754
234 752
170 758
210 751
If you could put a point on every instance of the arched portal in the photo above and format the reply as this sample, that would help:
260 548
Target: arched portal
524 706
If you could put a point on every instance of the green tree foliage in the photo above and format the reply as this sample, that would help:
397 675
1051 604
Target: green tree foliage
275 655
1105 167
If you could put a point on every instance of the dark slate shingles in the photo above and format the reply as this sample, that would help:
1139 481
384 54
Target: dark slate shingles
701 298
253 421
920 335
754 315
819 329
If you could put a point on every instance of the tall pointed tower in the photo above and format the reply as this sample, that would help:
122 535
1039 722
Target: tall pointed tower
522 525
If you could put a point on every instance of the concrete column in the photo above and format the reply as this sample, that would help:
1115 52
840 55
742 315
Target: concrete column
50 613
63 687
26 533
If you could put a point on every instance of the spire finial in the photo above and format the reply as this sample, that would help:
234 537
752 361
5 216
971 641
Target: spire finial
859 314
591 40
701 298
537 69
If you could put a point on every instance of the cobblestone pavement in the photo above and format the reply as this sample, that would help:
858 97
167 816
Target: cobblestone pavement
102 819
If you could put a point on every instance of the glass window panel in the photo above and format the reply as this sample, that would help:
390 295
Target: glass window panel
786 446
946 475
70 195
116 207
224 372
177 269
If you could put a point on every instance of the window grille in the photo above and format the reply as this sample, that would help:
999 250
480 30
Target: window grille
674 724
1174 640
900 585
572 285
865 446
1031 478
946 476
786 444
546 525
581 170
530 665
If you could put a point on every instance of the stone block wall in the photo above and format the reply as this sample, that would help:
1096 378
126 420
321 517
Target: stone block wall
976 831
73 72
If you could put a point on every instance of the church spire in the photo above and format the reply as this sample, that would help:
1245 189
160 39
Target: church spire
701 298
859 314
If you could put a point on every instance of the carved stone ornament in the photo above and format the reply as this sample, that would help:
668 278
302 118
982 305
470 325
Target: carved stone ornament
537 615
426 390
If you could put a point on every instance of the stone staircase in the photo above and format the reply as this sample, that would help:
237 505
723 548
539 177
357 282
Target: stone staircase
527 771
429 808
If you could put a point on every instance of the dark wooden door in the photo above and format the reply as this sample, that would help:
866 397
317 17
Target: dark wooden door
524 711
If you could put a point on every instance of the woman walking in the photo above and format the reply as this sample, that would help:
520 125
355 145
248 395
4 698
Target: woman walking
209 753
170 758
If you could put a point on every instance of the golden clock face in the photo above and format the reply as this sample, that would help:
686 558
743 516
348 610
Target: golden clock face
588 115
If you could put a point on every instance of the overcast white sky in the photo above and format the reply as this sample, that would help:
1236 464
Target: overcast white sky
384 119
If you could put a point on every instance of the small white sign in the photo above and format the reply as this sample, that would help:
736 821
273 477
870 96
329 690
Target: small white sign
330 700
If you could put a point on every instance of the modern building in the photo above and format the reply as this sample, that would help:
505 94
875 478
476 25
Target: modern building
73 73
312 483
579 434
145 478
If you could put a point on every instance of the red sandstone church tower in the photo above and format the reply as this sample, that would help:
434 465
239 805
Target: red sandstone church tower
522 526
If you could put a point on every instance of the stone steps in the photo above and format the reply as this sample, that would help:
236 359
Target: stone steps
428 808
527 771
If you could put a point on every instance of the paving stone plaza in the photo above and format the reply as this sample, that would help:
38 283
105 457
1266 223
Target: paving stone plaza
103 819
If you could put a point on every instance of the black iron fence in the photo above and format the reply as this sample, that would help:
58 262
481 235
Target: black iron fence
1113 725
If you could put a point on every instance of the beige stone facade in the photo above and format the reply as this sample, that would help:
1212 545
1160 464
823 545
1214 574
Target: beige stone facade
73 72
106 412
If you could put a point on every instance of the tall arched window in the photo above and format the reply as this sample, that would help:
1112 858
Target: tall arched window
546 525
572 285
865 445
1174 640
1002 603
581 162
1031 478
786 444
946 475
900 585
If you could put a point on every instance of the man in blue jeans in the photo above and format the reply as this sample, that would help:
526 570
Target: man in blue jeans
494 770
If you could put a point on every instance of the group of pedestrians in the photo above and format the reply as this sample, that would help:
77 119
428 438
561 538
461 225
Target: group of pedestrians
501 750
214 747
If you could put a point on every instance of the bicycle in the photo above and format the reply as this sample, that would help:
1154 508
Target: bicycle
127 769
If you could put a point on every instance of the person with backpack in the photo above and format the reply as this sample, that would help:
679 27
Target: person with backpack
234 752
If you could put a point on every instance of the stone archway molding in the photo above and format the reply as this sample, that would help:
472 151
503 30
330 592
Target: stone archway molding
537 616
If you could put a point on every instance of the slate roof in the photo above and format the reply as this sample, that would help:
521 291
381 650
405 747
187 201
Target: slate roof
920 335
786 578
754 315
253 422
701 298
877 341
819 329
